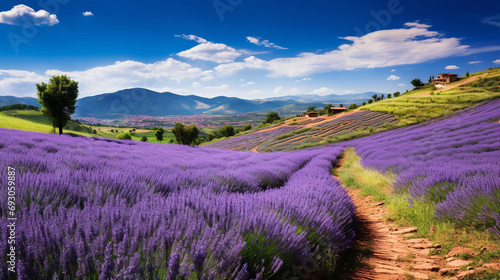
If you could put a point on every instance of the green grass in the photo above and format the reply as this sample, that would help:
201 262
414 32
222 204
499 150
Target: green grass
34 121
402 213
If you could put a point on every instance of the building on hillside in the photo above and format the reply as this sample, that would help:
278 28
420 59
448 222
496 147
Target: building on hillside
445 78
311 114
335 110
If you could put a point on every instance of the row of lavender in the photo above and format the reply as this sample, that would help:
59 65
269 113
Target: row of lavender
452 163
91 208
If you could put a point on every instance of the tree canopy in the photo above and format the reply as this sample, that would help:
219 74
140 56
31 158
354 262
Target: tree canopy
159 134
417 83
271 117
185 134
58 99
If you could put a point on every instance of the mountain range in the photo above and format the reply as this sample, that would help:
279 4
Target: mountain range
144 102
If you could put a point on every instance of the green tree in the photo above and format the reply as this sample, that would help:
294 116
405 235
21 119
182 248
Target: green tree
370 101
227 130
389 95
341 105
94 131
374 97
271 117
144 139
124 136
159 134
247 127
311 108
58 99
397 94
364 103
467 74
184 134
353 106
417 83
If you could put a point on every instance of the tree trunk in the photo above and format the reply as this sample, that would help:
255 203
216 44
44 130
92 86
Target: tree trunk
60 130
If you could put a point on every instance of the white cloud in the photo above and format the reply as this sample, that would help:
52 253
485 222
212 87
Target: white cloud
401 85
411 45
196 85
348 91
209 51
20 83
212 88
417 24
278 90
264 43
248 84
24 15
452 67
192 38
393 70
323 90
494 20
87 14
393 78
126 74
475 62
496 61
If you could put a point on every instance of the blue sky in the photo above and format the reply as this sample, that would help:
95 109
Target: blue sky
244 48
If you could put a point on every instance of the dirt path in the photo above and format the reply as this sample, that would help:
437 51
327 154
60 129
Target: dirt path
460 83
393 256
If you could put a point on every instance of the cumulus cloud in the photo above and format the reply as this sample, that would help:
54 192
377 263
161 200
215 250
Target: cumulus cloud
410 45
496 61
323 90
209 51
87 14
393 70
24 15
109 78
475 62
20 83
452 67
264 43
401 85
393 78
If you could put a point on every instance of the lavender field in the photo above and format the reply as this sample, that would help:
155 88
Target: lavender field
453 164
107 209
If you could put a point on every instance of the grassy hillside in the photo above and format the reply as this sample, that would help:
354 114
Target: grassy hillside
420 105
29 120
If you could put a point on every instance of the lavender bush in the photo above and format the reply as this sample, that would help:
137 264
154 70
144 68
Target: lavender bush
110 209
452 163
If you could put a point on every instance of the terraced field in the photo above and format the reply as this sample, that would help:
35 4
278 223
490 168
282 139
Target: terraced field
290 137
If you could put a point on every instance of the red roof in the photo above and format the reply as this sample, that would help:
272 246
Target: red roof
448 74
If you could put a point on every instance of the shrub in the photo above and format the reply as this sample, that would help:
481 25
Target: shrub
144 139
227 130
124 136
247 127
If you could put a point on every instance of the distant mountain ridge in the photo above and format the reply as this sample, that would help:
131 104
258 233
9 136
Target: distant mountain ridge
144 102
9 100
